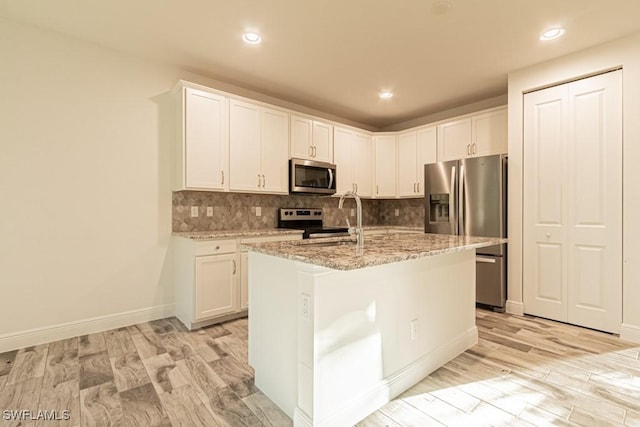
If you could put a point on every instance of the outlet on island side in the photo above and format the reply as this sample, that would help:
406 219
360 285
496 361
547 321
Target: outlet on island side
258 211
414 329
194 211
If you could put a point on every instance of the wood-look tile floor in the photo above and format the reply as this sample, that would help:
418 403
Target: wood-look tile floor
524 371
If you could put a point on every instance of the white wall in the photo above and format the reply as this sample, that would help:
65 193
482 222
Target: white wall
623 53
85 218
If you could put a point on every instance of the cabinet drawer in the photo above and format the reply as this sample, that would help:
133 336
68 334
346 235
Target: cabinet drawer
215 247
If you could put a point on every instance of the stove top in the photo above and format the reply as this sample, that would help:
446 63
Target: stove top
309 220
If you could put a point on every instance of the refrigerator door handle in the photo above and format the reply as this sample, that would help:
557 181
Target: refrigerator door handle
461 203
453 213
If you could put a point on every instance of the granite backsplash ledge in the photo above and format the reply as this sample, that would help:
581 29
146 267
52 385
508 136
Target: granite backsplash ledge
238 211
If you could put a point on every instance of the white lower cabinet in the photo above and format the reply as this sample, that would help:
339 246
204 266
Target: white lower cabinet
211 278
216 278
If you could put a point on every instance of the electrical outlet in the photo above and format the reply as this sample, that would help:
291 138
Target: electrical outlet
305 306
209 211
414 329
397 211
258 211
353 212
194 211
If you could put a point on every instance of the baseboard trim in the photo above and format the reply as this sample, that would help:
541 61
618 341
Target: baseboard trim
515 307
374 398
61 331
630 333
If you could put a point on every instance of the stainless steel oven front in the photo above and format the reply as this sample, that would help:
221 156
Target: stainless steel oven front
311 177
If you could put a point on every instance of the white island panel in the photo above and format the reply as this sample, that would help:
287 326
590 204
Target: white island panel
330 346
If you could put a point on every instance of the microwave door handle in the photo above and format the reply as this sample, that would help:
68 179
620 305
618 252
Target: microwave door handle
330 179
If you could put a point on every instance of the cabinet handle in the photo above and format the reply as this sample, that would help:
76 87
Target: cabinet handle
217 248
222 183
234 266
353 187
468 149
414 187
264 181
418 184
356 187
311 151
315 151
377 189
473 148
258 180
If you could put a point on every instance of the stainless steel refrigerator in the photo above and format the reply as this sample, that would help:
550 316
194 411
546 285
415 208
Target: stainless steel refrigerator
468 197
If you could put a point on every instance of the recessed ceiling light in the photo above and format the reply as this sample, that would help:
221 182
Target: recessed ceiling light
552 33
252 38
385 95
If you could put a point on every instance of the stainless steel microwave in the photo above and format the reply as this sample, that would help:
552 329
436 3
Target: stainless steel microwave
311 177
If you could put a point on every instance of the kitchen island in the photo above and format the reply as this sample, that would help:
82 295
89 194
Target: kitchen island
336 331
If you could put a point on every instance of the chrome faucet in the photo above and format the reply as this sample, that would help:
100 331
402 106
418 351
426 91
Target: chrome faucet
358 230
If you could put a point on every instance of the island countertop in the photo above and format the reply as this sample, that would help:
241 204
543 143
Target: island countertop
378 250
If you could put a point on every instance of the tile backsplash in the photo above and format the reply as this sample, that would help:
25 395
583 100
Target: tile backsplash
238 211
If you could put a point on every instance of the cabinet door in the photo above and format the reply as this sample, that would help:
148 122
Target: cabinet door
244 280
206 140
454 140
489 133
322 142
427 153
215 285
274 151
244 146
343 159
385 164
362 163
300 145
407 174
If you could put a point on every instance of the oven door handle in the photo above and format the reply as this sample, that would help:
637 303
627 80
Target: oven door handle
330 178
319 235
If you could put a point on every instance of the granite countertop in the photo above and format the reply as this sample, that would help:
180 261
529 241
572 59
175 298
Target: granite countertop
378 250
230 234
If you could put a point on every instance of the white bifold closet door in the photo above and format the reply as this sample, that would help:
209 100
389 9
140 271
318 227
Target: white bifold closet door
572 213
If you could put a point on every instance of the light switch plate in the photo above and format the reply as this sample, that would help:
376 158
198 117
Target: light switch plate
397 211
353 212
194 211
209 211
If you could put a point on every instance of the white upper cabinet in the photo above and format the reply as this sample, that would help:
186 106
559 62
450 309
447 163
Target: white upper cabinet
311 139
385 166
258 148
362 152
489 133
275 151
343 158
203 141
477 135
415 149
454 140
353 156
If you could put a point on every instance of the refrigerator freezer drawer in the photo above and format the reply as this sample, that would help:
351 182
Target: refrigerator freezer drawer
490 281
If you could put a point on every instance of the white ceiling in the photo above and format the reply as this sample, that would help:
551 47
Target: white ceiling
336 55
